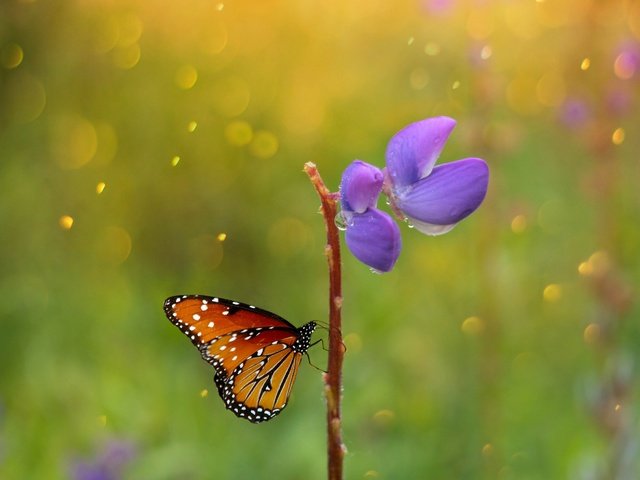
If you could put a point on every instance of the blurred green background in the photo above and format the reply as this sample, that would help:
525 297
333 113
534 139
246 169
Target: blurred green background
150 148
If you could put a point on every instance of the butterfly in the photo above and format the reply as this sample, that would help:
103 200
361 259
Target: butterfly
255 353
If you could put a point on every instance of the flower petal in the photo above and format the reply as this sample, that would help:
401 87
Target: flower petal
360 186
413 151
374 239
452 192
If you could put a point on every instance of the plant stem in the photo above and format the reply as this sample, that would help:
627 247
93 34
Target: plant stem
333 377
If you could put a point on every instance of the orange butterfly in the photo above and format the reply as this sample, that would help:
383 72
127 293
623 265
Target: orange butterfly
256 354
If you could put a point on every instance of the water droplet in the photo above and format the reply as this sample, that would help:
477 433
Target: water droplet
410 225
373 270
341 222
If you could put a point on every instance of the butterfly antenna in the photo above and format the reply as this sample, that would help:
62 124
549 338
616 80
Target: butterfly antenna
322 325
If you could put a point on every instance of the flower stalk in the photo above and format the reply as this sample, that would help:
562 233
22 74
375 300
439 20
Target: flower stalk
333 377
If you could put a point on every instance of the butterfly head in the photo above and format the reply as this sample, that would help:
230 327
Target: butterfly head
303 342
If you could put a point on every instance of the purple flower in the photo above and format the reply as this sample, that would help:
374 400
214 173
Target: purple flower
432 199
371 235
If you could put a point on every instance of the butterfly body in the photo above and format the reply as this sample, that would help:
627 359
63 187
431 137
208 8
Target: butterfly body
255 353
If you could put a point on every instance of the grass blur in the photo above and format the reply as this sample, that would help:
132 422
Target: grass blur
155 148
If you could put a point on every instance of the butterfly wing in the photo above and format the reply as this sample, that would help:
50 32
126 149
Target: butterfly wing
256 353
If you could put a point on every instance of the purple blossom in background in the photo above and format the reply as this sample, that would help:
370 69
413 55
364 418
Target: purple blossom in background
574 113
107 465
433 199
438 7
627 62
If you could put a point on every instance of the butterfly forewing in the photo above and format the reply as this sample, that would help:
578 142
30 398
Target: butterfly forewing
256 353
204 318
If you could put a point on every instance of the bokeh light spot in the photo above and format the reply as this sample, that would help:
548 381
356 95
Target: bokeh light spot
114 245
264 144
74 142
419 78
231 96
521 95
551 89
585 268
472 326
191 127
455 85
519 223
175 160
107 144
625 65
186 77
432 49
204 393
23 98
130 29
238 133
287 237
585 64
216 38
617 137
106 35
384 417
486 52
126 57
487 450
100 187
222 237
66 222
592 333
11 56
551 216
600 262
552 293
